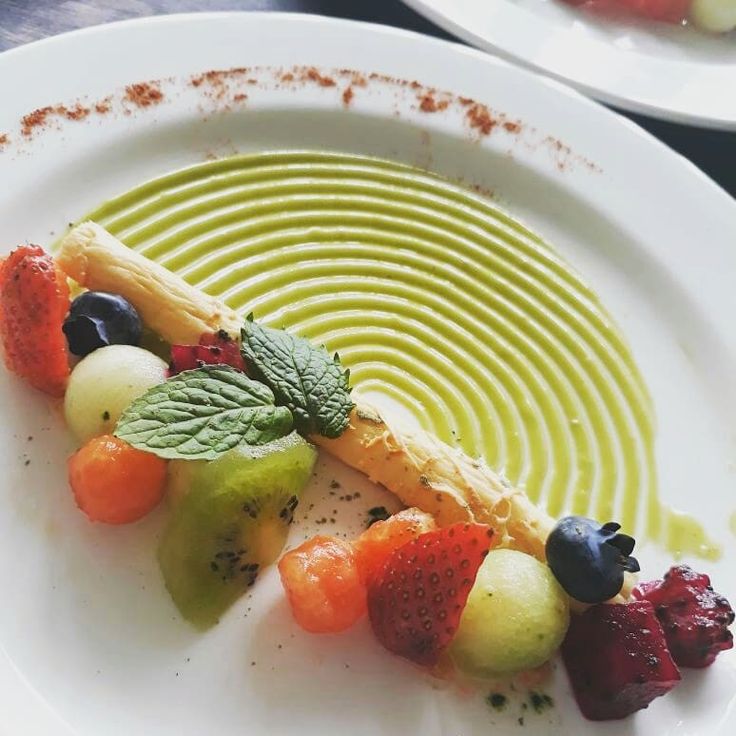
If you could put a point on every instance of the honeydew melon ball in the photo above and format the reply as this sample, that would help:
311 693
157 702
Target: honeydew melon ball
717 16
515 619
104 383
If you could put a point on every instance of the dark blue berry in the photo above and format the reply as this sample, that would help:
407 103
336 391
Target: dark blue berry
97 319
589 559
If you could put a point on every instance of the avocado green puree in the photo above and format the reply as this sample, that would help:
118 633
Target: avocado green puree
434 298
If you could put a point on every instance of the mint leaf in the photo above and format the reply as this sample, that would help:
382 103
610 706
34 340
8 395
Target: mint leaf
203 413
303 377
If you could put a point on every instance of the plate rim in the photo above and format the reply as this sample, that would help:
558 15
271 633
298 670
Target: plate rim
561 87
690 175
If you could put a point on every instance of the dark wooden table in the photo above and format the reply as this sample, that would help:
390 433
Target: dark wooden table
27 20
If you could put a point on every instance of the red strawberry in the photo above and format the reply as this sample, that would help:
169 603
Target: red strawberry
34 300
694 617
213 349
415 600
377 542
617 660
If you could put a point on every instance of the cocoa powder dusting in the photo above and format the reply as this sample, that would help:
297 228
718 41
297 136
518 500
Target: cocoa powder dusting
356 78
314 76
103 106
42 117
144 94
480 119
217 76
78 112
228 86
427 103
217 84
35 119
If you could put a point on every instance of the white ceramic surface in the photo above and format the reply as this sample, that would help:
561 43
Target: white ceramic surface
668 72
90 643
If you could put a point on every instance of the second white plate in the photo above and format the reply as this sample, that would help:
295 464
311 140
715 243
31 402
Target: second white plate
672 73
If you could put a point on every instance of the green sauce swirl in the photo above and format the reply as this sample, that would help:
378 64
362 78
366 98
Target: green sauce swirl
433 297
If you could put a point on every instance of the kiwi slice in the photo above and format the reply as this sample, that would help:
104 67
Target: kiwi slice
231 523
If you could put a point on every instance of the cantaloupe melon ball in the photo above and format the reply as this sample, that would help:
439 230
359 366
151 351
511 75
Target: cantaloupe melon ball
104 384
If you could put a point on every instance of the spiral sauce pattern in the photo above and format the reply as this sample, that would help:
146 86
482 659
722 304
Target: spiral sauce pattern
433 297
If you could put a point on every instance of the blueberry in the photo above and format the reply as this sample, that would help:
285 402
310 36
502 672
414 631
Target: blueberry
97 319
589 559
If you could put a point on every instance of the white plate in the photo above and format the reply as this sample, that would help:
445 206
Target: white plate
90 643
668 72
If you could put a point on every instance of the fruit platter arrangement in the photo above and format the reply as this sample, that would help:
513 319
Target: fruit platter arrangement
711 16
171 394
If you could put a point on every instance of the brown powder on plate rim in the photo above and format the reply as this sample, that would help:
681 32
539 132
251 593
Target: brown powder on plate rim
428 103
40 117
313 75
480 118
78 112
217 76
144 94
221 87
35 119
102 107
4 139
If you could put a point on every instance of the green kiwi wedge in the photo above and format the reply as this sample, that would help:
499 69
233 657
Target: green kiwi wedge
230 523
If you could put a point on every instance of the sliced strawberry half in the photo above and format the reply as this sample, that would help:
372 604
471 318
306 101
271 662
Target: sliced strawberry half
34 300
213 349
376 543
416 599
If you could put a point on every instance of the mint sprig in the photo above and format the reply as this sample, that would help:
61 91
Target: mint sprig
201 414
303 377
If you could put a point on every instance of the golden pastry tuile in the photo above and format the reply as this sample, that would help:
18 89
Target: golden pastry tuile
177 311
425 472
417 467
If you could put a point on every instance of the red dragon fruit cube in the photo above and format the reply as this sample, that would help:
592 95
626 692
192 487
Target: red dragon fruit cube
694 617
617 660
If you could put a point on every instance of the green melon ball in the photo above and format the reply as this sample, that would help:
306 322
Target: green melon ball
516 617
104 384
716 16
